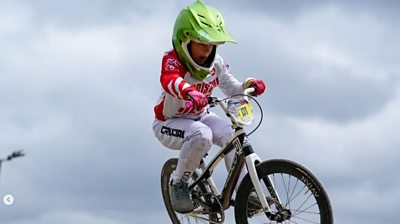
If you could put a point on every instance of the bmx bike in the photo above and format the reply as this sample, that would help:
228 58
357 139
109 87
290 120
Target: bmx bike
272 191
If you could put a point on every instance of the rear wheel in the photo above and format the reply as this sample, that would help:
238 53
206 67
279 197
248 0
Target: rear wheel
207 206
300 199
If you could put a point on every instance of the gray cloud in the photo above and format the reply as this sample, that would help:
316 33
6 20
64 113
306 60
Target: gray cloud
289 11
335 70
76 92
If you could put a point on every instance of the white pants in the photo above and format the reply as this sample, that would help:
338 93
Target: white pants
194 138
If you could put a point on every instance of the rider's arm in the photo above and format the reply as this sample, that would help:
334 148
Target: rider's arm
228 83
172 73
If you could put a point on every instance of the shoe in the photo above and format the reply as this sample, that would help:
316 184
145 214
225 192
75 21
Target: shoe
180 197
254 204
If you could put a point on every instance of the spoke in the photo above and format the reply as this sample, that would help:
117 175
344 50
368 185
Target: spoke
305 210
286 188
193 218
291 195
298 209
295 196
299 200
292 221
307 220
311 213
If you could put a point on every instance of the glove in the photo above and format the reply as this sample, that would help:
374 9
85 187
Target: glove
199 100
257 84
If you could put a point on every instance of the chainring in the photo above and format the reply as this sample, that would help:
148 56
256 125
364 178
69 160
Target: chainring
208 203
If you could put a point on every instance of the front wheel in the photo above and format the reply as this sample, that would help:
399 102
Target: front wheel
293 192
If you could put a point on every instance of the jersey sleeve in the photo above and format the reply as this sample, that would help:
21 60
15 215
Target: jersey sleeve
229 85
172 73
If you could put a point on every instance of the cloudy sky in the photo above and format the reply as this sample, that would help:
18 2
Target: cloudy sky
78 81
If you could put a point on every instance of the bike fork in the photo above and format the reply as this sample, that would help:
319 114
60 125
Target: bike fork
283 214
251 161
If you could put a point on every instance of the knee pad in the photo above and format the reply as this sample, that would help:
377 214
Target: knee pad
201 140
225 135
193 151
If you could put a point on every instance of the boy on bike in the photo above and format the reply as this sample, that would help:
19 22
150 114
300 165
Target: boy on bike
189 74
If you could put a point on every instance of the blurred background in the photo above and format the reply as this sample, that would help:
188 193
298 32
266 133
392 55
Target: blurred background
79 79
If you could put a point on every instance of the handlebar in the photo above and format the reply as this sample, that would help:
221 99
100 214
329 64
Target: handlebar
212 100
249 90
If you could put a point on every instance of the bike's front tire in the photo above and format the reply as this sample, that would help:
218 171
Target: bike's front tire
299 191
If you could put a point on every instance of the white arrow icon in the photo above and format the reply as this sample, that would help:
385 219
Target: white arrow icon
8 199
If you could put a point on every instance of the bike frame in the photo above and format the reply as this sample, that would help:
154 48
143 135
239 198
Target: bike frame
244 156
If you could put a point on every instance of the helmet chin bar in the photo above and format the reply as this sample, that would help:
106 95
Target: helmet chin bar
191 61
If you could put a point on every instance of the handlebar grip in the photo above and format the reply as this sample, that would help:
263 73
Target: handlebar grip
249 90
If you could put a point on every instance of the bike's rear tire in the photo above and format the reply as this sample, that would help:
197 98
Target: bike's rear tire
177 218
299 190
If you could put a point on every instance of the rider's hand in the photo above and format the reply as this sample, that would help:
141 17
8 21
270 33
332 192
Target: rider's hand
199 99
257 84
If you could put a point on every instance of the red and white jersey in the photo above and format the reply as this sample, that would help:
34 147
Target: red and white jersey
176 82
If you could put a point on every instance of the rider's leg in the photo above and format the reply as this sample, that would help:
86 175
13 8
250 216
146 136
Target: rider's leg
192 151
222 135
194 140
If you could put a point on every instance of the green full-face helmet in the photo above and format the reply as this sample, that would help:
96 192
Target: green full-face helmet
201 23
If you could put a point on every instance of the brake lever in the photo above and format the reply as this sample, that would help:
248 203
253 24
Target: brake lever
212 101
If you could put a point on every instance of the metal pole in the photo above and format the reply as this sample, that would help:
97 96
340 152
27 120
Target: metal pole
1 161
15 154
